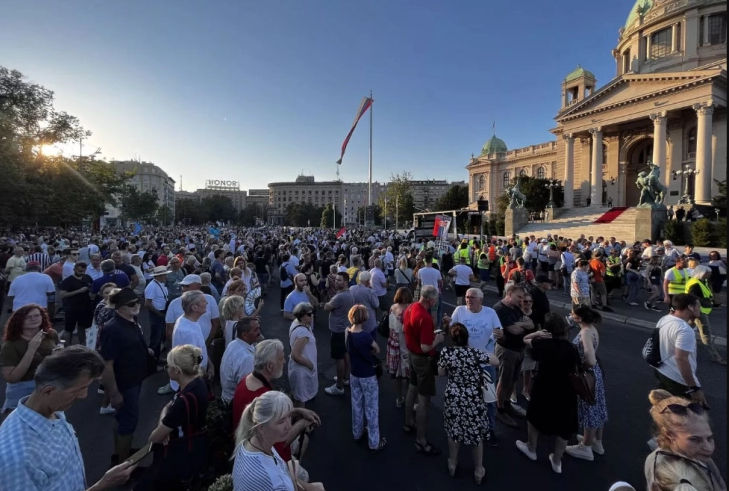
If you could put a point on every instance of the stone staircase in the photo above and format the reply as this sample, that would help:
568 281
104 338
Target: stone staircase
577 221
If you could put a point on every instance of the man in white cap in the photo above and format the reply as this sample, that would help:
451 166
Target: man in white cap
209 321
155 300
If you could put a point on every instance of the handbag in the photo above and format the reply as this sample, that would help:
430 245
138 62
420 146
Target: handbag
92 334
383 328
488 388
583 383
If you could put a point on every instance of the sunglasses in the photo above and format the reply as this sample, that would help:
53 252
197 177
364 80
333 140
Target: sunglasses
132 304
681 410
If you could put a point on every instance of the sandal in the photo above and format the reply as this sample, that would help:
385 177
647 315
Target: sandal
427 449
379 446
408 428
478 476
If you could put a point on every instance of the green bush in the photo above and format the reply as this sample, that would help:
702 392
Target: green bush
223 483
701 232
673 231
720 233
500 227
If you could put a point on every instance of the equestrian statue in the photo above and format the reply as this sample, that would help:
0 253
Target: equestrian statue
652 190
516 197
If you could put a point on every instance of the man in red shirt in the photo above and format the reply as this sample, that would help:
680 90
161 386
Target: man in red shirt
599 290
421 340
268 364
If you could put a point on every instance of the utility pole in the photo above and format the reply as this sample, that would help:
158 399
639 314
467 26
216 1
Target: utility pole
397 211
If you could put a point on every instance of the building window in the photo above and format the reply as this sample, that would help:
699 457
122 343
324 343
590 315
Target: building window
677 46
661 42
481 182
691 143
507 179
541 173
523 173
717 29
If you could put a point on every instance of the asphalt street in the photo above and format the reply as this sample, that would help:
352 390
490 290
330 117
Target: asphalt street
340 463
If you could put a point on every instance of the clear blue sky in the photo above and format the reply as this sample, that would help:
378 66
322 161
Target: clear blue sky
259 91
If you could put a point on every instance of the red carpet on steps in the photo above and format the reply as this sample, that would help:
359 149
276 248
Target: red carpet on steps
611 215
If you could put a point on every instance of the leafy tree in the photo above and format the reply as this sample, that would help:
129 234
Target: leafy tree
138 205
454 199
189 211
303 215
218 208
399 198
248 215
377 215
702 232
327 217
536 192
164 215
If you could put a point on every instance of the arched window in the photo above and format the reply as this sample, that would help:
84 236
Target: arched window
523 173
507 179
481 182
691 143
541 173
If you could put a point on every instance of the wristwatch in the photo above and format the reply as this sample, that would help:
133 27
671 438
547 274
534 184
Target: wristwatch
693 389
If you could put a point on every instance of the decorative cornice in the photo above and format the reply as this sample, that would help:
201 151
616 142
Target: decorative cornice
659 117
704 108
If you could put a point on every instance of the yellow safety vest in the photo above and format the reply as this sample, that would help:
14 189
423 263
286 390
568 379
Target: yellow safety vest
705 290
612 260
464 253
678 284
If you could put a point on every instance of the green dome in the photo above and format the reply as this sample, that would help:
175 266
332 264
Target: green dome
494 145
577 73
640 8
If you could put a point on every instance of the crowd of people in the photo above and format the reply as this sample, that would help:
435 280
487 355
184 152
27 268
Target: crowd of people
202 290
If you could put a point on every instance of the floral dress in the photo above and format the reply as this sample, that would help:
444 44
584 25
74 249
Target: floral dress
102 315
592 416
464 411
397 353
331 287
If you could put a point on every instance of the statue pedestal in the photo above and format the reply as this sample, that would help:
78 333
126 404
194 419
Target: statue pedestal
649 223
516 218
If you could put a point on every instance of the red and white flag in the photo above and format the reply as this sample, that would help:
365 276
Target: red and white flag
363 107
341 232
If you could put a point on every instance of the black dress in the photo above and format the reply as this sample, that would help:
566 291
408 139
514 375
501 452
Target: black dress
553 406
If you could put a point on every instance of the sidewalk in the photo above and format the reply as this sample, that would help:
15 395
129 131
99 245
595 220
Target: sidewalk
639 316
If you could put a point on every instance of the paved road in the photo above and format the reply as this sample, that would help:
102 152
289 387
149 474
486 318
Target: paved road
340 463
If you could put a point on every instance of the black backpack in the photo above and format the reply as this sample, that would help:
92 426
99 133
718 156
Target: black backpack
652 348
353 281
283 273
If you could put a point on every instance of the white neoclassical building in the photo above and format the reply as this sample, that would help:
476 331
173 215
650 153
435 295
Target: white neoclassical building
666 104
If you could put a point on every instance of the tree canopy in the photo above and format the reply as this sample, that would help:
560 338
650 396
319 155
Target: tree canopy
398 199
536 192
454 199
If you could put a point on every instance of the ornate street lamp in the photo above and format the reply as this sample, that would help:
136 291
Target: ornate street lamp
551 185
686 174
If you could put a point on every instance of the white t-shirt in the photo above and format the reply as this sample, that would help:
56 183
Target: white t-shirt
174 312
237 363
255 470
30 288
676 333
67 269
157 292
429 276
463 274
189 332
480 326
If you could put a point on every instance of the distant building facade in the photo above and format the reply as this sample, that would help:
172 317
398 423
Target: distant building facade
229 189
427 193
305 189
146 177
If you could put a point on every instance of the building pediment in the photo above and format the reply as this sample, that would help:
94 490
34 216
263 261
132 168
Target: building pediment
632 88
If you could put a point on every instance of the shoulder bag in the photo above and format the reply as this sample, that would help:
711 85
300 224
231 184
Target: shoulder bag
383 328
583 382
488 388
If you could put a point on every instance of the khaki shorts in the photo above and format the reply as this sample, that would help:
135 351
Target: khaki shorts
421 375
600 288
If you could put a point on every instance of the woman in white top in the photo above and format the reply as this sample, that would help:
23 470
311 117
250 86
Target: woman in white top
303 373
147 266
231 311
266 421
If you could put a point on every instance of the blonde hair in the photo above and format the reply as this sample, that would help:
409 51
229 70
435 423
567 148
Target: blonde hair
231 306
358 314
187 358
113 292
665 422
269 406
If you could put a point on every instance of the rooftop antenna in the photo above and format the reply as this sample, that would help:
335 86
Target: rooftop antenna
180 182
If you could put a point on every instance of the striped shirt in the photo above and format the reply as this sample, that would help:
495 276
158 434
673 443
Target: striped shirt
37 453
256 470
42 258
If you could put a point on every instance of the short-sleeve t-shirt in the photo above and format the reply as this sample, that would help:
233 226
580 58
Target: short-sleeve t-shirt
82 301
359 347
342 302
127 269
676 333
429 276
598 270
197 396
293 299
508 317
120 280
13 351
418 328
480 326
122 341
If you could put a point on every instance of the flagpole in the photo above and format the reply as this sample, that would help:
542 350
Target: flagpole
369 187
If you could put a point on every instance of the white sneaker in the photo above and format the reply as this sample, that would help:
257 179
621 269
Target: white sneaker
596 445
344 382
580 451
555 467
525 450
107 410
165 389
334 391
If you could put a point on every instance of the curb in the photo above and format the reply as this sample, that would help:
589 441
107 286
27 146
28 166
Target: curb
620 319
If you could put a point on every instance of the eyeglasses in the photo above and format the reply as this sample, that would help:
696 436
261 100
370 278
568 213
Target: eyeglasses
681 410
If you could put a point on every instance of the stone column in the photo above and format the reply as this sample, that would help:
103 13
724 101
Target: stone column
702 190
659 139
569 171
596 167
